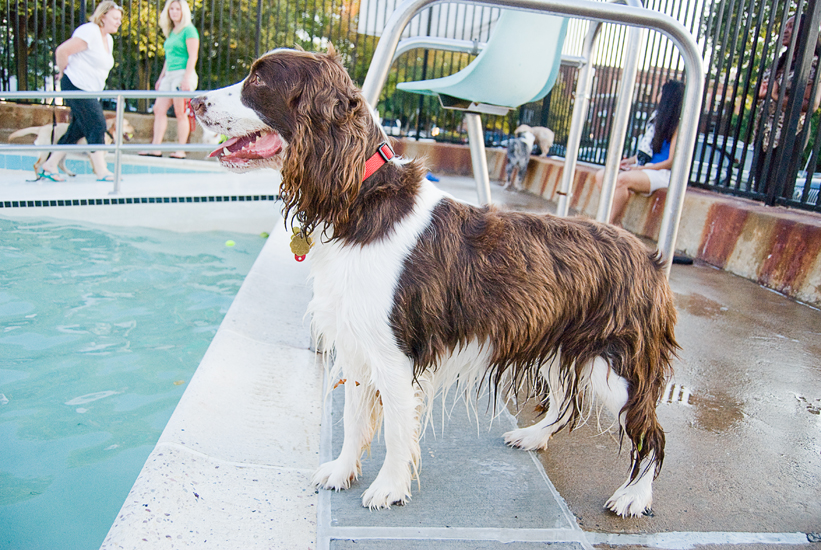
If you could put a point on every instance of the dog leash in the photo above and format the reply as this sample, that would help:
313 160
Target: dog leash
301 241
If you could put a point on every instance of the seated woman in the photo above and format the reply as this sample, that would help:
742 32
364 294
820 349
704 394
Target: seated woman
647 178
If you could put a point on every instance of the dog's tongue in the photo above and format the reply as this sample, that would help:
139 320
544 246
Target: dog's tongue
252 146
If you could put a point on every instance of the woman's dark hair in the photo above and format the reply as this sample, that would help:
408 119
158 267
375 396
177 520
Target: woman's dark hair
782 61
668 112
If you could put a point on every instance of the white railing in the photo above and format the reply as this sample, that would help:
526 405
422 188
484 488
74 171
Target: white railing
118 147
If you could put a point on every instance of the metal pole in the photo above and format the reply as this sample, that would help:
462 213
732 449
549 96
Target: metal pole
621 118
478 158
118 139
584 87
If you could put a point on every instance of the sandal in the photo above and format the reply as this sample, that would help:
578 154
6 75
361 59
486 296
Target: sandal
107 178
149 154
52 176
175 156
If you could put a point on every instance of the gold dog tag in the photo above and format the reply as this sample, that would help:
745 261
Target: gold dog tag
300 244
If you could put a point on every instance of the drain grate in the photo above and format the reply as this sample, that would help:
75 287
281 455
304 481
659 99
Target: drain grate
676 394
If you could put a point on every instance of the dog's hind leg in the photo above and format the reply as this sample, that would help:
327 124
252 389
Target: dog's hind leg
361 418
402 406
559 412
509 175
635 496
520 177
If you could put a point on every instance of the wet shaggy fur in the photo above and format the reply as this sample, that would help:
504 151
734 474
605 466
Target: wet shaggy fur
415 291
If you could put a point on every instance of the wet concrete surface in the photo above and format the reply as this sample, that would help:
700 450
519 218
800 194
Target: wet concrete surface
744 451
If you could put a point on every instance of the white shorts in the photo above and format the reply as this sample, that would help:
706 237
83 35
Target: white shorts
659 179
172 80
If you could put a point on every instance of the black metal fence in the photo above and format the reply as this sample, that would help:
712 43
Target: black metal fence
741 41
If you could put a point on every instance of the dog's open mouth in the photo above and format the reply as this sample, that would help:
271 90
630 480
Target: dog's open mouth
249 150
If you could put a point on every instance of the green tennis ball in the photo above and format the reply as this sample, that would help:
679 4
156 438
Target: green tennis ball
230 243
264 235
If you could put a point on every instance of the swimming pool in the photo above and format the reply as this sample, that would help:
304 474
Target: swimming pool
100 330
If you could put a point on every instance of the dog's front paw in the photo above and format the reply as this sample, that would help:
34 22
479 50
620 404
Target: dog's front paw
528 439
631 499
335 475
383 493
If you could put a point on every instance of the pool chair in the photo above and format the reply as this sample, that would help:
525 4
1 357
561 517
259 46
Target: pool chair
519 64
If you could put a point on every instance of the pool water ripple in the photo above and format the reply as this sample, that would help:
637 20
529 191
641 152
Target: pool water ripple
100 330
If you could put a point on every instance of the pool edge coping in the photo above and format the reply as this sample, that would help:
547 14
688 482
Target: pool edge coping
249 487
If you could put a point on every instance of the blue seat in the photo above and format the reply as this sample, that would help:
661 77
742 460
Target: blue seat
519 64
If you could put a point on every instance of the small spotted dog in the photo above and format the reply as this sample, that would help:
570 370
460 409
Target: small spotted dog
518 155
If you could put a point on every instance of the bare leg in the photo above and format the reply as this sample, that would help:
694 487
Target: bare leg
161 106
635 181
98 164
182 125
51 166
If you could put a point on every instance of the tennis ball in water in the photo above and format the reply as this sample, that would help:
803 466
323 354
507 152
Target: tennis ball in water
230 243
264 235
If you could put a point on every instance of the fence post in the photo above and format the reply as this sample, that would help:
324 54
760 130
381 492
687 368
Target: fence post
259 28
789 147
118 138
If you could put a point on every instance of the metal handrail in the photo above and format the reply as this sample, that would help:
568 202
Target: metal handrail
586 9
117 147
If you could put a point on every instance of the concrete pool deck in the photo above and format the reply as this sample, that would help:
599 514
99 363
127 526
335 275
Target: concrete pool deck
743 463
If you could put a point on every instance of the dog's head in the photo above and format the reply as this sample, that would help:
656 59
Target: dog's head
127 130
298 111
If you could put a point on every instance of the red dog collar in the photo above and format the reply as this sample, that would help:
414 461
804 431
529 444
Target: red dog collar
383 154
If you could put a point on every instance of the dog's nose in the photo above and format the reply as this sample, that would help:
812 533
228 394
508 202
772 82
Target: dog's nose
198 104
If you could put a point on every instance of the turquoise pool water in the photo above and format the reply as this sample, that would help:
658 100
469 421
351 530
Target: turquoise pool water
101 330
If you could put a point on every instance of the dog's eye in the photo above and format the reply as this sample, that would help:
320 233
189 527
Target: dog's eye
256 80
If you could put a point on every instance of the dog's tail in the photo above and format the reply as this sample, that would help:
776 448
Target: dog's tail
34 130
650 367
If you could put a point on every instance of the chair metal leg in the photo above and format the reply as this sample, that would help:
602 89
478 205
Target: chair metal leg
478 158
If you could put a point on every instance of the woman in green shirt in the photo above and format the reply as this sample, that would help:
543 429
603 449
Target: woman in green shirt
181 46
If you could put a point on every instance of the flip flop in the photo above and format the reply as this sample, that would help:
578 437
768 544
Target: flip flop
52 176
148 154
178 157
109 178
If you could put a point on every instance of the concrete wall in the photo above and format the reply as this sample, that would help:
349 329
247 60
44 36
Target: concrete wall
776 247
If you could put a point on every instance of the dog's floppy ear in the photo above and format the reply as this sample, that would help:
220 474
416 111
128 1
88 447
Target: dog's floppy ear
325 158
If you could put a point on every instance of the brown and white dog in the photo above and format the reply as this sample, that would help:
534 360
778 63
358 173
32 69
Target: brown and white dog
44 136
415 290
